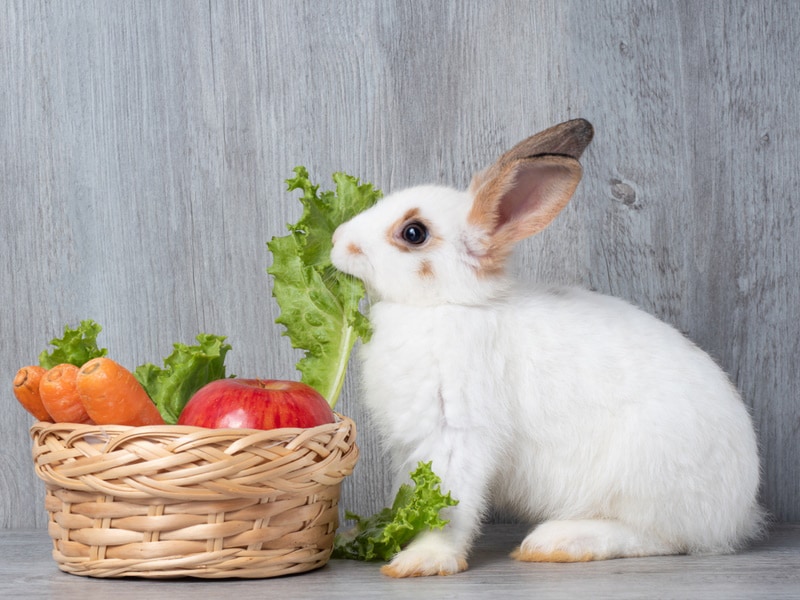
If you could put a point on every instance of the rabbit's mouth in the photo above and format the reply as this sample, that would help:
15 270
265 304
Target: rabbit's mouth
353 261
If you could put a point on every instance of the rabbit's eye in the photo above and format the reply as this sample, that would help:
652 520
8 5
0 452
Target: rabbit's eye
415 233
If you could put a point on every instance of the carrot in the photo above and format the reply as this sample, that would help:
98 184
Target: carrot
112 395
26 389
60 396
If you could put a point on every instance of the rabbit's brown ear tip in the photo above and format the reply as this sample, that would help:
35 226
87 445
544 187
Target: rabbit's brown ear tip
579 132
584 129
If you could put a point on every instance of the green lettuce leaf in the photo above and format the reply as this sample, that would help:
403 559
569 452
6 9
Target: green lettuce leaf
185 371
415 509
76 347
319 304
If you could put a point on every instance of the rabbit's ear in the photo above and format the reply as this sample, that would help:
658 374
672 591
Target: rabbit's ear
567 139
521 199
570 139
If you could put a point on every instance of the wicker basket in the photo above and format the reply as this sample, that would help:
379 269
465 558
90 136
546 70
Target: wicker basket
174 501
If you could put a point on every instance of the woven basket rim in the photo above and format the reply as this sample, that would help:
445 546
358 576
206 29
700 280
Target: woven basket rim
136 462
186 429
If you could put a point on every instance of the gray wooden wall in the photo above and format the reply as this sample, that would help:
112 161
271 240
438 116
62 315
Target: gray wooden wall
144 147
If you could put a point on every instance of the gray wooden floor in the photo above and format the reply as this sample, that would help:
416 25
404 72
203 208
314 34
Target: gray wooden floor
770 569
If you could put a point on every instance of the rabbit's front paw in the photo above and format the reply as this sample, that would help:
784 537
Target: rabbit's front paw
428 555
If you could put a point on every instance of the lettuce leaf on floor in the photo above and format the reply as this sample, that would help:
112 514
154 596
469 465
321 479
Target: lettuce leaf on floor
415 510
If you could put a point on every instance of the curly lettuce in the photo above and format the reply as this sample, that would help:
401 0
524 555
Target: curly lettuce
77 346
319 305
415 510
185 371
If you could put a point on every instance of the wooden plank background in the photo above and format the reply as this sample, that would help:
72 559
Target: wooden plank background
144 147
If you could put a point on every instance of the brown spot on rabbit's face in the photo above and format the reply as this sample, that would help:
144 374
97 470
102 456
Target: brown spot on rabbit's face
425 270
354 249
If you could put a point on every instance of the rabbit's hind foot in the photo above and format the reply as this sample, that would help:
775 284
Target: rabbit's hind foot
585 540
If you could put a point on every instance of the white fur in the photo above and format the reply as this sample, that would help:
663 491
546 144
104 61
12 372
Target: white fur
574 410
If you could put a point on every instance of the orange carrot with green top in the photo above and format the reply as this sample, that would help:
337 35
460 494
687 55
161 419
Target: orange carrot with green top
112 395
26 390
60 396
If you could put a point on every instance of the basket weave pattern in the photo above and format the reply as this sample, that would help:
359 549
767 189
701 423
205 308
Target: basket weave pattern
174 501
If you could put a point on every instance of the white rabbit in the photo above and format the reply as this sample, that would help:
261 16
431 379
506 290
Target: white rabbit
576 411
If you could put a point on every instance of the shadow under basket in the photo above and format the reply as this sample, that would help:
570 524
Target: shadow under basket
174 501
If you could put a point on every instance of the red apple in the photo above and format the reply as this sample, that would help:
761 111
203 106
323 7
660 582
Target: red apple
256 404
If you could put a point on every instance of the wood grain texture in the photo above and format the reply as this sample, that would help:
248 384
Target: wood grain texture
145 146
769 570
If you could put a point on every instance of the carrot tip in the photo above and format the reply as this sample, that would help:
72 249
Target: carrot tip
21 377
90 367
